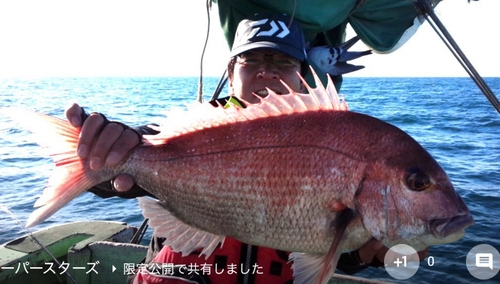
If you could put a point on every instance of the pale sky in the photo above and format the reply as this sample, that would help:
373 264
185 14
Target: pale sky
156 38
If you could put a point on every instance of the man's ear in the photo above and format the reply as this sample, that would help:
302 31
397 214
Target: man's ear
230 87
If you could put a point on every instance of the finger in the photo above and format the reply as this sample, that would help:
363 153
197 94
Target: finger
102 146
380 256
127 141
369 250
423 254
123 183
90 130
74 114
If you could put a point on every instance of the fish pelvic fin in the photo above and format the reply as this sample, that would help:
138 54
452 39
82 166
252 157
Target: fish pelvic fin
201 116
69 178
309 268
179 236
319 269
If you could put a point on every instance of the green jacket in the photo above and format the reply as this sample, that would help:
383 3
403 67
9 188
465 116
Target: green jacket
381 24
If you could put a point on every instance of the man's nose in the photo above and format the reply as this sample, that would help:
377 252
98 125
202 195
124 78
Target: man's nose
268 70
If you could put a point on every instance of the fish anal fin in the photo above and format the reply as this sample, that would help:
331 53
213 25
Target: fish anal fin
179 236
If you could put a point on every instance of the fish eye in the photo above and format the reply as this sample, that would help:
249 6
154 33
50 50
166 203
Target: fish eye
417 180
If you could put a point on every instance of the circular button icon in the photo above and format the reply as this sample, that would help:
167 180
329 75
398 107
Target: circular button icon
401 261
483 262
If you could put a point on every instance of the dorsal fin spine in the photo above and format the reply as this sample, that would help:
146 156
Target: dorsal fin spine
204 116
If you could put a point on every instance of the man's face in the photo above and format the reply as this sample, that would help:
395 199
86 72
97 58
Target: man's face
259 69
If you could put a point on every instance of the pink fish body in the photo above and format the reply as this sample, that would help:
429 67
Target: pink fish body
282 174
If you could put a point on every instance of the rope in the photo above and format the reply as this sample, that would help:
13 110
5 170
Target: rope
199 98
30 234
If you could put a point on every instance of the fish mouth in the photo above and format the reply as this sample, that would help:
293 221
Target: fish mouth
446 227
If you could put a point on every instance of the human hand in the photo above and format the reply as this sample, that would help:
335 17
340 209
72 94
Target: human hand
374 251
104 143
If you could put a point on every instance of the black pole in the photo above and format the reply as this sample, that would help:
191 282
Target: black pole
428 12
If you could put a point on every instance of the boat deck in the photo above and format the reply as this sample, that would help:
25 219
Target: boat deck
86 252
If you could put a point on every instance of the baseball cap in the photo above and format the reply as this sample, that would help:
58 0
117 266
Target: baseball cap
275 31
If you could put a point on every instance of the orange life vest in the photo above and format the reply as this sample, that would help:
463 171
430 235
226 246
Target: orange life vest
233 262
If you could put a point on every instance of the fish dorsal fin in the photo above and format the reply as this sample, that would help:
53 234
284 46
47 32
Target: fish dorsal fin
201 116
179 236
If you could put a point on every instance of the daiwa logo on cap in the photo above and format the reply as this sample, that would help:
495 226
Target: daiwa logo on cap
278 32
276 28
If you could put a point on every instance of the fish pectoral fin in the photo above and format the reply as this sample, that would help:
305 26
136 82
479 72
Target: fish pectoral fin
337 206
179 236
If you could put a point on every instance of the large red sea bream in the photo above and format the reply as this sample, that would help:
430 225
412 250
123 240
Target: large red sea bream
294 172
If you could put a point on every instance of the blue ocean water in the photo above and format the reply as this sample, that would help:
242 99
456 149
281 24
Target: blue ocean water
448 116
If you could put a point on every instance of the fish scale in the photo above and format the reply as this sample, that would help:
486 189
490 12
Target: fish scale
256 182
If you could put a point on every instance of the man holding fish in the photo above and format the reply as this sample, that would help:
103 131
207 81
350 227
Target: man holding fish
260 59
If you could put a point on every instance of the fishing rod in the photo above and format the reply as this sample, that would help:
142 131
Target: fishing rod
220 86
30 234
137 238
427 11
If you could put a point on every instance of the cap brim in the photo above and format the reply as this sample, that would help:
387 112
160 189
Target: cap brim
289 50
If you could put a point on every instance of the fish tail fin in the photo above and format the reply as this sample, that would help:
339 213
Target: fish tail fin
65 184
70 177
